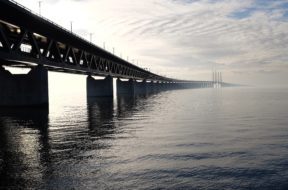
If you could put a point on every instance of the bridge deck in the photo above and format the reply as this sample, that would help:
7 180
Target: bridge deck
26 40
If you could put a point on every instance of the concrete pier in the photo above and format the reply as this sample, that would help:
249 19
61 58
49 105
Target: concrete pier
151 87
125 87
24 89
132 87
140 87
99 87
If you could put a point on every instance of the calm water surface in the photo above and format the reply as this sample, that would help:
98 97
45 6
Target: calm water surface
233 138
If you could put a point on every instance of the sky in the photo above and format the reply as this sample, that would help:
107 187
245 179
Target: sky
247 40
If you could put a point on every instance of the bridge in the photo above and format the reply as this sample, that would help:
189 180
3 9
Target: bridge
28 40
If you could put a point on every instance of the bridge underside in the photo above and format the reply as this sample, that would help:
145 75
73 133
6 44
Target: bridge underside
32 89
26 38
30 41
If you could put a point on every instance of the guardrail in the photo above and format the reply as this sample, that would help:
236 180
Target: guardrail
50 21
76 35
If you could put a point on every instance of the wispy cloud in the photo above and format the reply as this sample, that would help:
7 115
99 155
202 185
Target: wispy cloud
180 36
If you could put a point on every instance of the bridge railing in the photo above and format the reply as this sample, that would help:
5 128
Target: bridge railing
37 15
58 25
66 30
48 20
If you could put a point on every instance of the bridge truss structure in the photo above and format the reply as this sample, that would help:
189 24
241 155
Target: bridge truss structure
27 39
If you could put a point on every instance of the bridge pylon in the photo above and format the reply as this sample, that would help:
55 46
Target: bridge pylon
24 89
99 87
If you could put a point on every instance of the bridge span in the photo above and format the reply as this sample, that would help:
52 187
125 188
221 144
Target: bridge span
31 41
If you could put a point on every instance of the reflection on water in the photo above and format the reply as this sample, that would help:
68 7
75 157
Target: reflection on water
100 114
186 139
23 145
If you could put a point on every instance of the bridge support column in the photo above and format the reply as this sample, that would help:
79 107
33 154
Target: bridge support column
132 87
150 87
161 86
166 86
140 87
24 89
157 86
99 88
181 85
125 87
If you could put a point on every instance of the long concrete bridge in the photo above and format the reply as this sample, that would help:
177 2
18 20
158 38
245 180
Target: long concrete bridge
31 41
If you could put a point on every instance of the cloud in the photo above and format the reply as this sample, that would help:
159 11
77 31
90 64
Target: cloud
256 71
185 35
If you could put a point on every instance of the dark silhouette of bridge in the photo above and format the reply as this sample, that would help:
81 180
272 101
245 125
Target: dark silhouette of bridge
31 41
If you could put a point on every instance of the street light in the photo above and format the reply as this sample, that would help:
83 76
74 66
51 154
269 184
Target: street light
91 34
71 26
40 2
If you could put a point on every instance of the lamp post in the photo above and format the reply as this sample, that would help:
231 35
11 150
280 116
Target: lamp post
40 2
71 26
91 34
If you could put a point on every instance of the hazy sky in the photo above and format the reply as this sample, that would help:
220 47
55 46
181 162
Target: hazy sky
245 39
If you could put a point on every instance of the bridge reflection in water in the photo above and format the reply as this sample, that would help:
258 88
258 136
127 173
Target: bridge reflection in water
24 147
42 150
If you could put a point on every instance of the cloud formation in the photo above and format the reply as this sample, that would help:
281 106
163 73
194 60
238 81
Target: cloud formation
185 38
